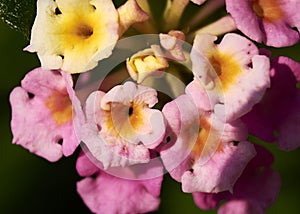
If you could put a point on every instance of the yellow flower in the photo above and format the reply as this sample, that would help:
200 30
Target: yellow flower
145 63
73 35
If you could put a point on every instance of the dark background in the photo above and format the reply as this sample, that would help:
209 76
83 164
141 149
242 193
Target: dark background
29 184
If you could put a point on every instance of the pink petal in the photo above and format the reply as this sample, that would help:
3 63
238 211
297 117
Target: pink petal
277 33
109 194
48 133
221 172
271 113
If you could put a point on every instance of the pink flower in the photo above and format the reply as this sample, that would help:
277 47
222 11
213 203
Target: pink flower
254 191
104 193
276 117
121 126
203 153
232 74
42 114
268 21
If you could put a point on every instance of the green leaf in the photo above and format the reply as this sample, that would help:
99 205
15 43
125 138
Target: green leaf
18 14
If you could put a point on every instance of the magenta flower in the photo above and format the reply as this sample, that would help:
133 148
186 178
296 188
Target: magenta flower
254 192
104 193
42 115
121 126
268 21
275 119
232 74
203 153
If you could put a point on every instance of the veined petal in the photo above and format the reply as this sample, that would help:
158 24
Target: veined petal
73 35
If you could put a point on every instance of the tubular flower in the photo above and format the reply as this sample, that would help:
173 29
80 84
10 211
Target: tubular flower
204 154
121 127
268 21
43 102
149 62
284 128
232 74
105 193
73 35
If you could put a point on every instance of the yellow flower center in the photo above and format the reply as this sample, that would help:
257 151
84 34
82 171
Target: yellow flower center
226 68
60 107
269 10
124 121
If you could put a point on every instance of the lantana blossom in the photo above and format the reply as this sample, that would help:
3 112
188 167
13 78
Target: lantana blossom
284 127
121 126
105 193
73 35
268 21
232 73
43 102
215 153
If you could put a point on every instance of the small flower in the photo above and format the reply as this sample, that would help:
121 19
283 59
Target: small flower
254 192
73 35
268 21
42 115
105 193
276 117
145 63
232 74
207 155
121 127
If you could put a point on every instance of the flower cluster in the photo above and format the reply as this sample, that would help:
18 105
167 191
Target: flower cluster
192 111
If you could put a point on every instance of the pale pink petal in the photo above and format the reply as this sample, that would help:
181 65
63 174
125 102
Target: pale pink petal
43 103
108 194
255 190
231 73
274 26
181 114
221 172
172 43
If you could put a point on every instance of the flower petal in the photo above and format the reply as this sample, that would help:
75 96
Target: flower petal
43 102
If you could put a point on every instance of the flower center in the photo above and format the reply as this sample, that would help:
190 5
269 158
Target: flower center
60 107
84 31
226 68
267 9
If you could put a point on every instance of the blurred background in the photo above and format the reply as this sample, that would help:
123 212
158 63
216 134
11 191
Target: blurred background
29 184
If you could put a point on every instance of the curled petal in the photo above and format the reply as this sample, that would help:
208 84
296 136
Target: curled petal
129 14
149 62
